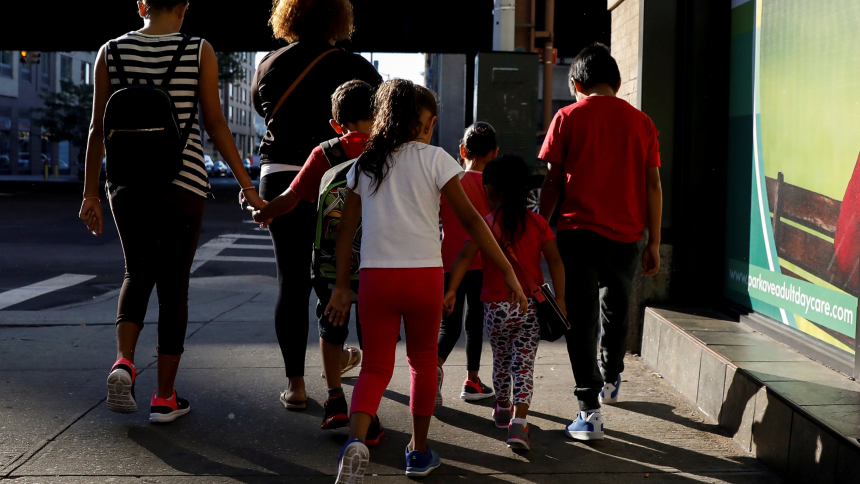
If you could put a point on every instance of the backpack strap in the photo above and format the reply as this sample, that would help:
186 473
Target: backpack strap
334 152
171 69
113 50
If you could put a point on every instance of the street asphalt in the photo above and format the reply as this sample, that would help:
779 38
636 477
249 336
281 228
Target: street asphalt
56 348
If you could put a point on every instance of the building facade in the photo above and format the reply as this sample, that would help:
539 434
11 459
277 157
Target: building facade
239 111
24 147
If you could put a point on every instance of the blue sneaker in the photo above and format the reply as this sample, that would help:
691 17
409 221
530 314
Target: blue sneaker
609 394
587 426
421 464
352 462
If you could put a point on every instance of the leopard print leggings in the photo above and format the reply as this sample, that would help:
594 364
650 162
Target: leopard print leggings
514 340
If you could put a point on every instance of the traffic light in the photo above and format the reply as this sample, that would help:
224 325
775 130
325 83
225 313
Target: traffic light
28 57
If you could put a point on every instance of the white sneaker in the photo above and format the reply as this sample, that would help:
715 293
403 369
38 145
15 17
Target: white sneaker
440 375
353 462
609 394
587 426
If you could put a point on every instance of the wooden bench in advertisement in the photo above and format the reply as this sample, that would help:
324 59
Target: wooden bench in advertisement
805 250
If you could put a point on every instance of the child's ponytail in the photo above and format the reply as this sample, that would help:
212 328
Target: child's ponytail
507 174
398 106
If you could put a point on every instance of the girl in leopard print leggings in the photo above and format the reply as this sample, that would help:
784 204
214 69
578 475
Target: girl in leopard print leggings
513 331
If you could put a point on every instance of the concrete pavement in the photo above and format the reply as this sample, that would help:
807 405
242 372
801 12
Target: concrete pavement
55 428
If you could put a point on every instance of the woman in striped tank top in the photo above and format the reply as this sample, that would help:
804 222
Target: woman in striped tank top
158 226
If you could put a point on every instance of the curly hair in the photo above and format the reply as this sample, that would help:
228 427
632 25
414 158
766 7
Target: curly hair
292 20
397 120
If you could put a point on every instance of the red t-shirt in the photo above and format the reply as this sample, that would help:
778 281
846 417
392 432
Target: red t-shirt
604 145
453 234
528 251
307 183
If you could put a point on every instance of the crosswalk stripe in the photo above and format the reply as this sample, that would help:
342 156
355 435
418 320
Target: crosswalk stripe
231 258
246 236
242 246
21 294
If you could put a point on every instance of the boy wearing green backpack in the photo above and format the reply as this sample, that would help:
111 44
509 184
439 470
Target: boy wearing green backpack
322 179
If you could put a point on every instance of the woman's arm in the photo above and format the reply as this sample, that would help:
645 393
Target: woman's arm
556 271
91 208
461 266
341 297
216 125
483 237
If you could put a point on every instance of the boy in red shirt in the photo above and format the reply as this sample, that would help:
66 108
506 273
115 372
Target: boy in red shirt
604 154
352 113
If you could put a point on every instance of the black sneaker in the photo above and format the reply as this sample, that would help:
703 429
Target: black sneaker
374 432
475 391
336 414
164 410
120 385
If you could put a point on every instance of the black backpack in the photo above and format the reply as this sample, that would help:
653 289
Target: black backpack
332 195
143 143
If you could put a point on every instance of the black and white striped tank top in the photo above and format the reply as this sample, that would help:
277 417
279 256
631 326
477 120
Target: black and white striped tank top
146 57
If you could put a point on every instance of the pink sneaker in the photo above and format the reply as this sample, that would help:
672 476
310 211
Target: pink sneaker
502 416
120 385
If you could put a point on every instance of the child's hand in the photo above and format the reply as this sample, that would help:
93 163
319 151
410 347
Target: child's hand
262 215
651 260
516 296
338 306
560 303
448 304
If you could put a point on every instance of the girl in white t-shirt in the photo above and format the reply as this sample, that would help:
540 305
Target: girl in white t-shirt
394 190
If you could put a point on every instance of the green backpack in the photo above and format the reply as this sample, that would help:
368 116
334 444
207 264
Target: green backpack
329 209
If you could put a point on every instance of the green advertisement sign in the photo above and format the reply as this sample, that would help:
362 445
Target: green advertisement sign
793 200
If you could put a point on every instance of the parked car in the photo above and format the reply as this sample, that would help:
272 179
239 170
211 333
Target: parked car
209 164
252 168
221 169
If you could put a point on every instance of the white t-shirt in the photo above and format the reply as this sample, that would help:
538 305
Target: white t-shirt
400 222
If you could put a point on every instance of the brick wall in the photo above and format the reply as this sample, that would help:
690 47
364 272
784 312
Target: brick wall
625 46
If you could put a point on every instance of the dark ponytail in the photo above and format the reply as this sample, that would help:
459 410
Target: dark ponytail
479 139
507 174
397 120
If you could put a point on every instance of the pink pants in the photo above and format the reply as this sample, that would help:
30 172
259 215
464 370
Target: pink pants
386 296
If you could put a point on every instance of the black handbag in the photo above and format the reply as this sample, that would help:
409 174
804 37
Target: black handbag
553 323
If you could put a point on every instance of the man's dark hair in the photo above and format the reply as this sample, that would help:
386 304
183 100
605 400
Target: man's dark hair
594 65
352 102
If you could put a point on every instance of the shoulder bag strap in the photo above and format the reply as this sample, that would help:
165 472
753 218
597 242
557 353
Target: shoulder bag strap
113 50
297 81
522 275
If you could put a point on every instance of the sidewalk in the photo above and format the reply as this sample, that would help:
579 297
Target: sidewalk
55 428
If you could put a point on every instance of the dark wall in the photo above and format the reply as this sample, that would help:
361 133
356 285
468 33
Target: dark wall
443 26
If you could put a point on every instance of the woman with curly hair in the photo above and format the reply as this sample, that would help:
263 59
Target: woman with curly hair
394 188
294 127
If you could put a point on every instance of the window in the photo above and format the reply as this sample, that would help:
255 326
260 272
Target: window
45 71
26 72
66 68
6 63
230 113
86 73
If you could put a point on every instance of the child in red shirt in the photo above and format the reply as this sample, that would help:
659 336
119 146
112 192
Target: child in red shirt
514 335
478 146
352 116
604 154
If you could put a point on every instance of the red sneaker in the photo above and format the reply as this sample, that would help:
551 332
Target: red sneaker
164 410
476 391
120 385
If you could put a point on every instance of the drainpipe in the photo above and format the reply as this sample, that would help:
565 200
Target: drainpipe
549 21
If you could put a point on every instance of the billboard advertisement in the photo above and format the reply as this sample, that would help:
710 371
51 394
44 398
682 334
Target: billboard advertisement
793 206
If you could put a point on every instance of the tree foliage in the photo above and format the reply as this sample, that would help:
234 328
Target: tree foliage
230 69
67 113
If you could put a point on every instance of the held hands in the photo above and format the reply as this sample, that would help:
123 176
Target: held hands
651 260
339 305
516 296
253 199
91 214
261 216
448 303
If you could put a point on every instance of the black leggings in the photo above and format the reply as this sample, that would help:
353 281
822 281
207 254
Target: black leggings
293 236
468 297
159 230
